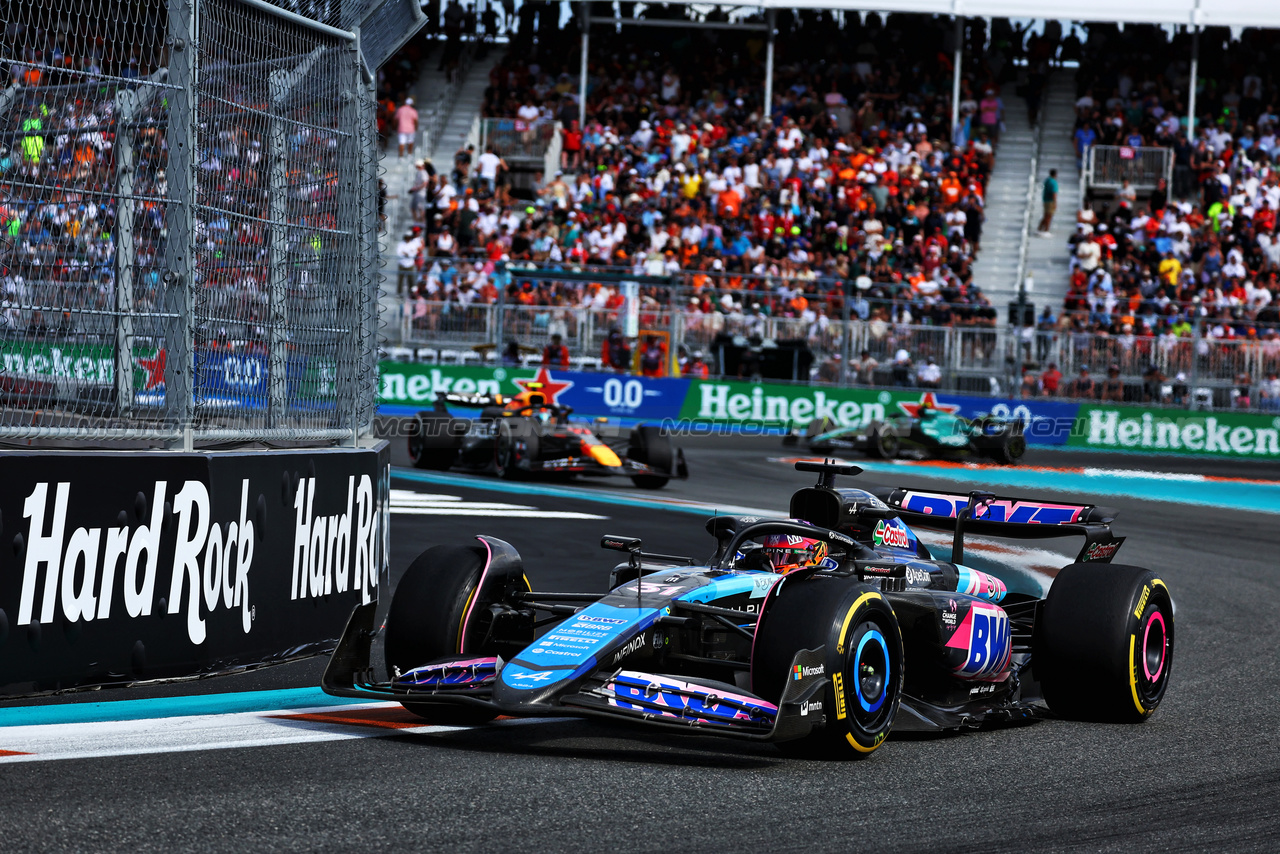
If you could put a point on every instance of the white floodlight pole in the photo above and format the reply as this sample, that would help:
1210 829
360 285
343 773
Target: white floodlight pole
955 78
585 23
1191 95
770 17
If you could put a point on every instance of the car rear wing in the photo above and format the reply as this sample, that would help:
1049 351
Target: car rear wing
1015 518
474 401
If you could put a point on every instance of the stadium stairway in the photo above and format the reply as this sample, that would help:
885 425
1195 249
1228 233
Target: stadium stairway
1047 258
398 173
996 268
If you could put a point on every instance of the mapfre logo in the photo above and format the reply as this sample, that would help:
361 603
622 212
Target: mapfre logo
211 560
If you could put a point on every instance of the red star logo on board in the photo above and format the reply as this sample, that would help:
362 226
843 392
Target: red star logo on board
154 369
550 387
930 400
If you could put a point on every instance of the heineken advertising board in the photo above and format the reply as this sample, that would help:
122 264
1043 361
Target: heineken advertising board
1172 431
692 404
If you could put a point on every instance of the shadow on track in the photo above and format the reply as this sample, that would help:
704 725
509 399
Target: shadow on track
592 740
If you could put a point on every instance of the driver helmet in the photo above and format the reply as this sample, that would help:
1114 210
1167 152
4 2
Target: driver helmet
526 399
789 552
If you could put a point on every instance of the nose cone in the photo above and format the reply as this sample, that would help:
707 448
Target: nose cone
604 455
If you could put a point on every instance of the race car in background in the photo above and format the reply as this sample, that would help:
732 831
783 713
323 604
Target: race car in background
820 632
526 435
926 432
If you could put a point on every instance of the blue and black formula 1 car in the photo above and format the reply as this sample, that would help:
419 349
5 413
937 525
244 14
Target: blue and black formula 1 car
870 632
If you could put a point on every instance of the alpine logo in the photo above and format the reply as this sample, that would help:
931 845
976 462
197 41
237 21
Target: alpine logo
889 535
800 671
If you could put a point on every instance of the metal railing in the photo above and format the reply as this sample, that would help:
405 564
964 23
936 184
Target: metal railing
432 133
514 139
1107 167
708 312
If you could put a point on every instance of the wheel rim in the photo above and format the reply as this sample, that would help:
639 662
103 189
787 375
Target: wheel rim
1155 637
1150 673
871 664
870 670
888 444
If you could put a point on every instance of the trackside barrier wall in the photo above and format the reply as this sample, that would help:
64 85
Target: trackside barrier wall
125 567
698 405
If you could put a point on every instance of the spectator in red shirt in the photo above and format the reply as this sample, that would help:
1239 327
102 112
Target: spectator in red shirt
571 146
555 354
1051 379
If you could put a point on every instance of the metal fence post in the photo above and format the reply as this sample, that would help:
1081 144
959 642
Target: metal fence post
846 333
673 329
278 259
126 254
179 325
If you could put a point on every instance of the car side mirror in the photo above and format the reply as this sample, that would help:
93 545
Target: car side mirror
867 513
620 544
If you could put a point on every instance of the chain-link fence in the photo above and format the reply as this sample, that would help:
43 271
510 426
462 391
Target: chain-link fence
189 219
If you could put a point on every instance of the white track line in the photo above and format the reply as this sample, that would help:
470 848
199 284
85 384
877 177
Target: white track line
182 734
528 513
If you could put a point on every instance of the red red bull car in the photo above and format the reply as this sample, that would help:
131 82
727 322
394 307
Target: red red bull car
822 632
527 436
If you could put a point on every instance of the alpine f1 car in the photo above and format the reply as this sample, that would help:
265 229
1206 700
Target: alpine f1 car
931 433
526 435
820 632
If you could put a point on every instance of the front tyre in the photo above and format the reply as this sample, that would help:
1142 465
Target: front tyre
434 614
1104 643
649 445
859 631
509 449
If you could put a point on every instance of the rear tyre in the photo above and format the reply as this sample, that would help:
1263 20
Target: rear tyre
1104 643
649 445
425 621
863 644
882 443
1012 445
434 440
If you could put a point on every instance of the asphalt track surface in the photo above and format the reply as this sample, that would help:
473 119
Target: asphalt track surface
1200 775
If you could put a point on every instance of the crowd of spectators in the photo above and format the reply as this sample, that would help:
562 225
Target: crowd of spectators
57 173
74 106
850 174
1183 279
